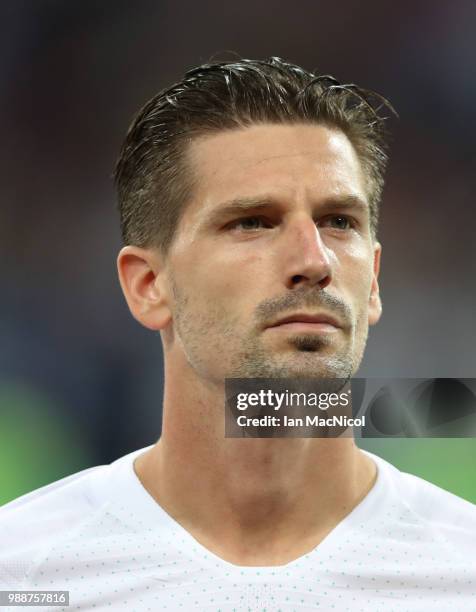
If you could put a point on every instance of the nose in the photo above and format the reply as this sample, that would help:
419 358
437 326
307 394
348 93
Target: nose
307 260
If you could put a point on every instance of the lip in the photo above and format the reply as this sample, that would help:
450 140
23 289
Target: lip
320 322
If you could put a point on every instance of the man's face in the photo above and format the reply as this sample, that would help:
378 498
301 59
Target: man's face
278 225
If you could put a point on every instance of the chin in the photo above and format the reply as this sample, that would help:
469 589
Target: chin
309 365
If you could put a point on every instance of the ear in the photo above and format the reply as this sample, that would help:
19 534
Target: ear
375 303
142 278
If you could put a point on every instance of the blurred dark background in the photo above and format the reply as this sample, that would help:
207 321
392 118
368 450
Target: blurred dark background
80 380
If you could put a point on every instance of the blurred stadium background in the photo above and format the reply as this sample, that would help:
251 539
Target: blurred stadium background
80 380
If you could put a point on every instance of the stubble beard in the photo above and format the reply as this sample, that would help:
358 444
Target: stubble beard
230 356
309 356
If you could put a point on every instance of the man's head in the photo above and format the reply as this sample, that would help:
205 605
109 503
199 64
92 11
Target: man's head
249 192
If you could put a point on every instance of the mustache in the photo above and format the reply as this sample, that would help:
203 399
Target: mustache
296 300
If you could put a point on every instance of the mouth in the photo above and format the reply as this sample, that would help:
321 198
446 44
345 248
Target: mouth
308 323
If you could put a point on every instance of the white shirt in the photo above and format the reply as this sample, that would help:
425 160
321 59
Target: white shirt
408 546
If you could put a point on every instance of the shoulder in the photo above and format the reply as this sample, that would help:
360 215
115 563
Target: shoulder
32 523
437 504
447 517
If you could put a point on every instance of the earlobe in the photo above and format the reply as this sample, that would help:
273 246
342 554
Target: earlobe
142 281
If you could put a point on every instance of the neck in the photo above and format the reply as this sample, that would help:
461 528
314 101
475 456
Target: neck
249 500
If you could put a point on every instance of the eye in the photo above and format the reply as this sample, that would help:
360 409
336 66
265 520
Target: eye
340 222
249 223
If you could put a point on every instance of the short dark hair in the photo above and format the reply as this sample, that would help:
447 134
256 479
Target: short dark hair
151 175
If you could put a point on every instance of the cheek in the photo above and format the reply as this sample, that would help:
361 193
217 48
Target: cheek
356 269
216 277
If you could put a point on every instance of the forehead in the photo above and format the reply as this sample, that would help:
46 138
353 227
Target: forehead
290 163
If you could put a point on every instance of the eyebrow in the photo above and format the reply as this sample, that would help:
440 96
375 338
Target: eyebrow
249 204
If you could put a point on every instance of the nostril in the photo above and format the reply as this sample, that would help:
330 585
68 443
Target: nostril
299 279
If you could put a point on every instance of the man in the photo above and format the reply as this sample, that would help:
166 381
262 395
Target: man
249 196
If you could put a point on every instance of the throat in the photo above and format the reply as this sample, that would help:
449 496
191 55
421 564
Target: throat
267 509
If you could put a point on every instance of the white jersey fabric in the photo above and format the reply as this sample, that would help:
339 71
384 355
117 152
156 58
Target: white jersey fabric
408 546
